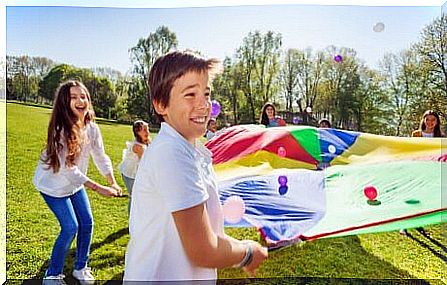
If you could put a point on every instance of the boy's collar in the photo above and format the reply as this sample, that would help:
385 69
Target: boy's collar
198 147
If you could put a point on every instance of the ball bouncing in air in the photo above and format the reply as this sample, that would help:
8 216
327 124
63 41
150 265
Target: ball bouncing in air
379 27
233 209
215 108
295 120
338 58
371 193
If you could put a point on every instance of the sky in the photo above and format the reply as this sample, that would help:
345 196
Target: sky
102 36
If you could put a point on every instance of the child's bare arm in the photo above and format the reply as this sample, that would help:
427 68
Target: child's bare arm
204 248
101 189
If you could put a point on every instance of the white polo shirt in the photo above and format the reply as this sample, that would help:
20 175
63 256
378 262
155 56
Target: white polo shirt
173 175
69 180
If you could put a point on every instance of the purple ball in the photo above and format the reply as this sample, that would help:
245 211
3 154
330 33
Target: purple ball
338 58
215 109
282 180
283 190
296 120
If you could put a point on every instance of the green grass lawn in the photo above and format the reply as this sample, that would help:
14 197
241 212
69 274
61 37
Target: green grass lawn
32 228
3 189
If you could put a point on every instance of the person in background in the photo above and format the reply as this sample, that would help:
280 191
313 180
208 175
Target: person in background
429 127
211 129
268 116
133 153
61 178
324 123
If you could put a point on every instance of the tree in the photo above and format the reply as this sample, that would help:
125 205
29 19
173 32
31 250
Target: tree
403 81
100 88
143 56
225 91
373 112
289 77
137 101
340 83
257 62
107 72
301 76
103 95
433 52
50 82
23 76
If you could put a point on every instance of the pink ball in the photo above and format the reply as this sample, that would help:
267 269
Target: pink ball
370 192
282 151
233 209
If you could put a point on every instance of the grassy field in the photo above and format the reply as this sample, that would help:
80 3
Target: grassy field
32 228
3 190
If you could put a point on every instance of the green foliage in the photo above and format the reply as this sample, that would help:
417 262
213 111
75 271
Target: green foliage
389 100
32 228
103 96
23 76
51 81
257 66
143 56
433 51
101 89
372 115
138 100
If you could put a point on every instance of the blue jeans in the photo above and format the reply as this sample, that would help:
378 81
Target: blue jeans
75 217
129 185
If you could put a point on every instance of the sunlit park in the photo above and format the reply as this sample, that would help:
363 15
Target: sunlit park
371 72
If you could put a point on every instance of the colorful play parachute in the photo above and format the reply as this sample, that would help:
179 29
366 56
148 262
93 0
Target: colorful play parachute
303 183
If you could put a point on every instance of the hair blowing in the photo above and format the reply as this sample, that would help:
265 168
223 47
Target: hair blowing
64 126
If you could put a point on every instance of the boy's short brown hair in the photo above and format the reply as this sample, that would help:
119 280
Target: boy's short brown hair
172 66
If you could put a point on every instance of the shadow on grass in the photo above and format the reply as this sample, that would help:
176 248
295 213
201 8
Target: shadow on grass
316 262
425 245
340 260
72 253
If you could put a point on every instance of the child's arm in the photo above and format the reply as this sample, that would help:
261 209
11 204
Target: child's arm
102 160
138 149
177 176
78 178
103 190
204 248
113 184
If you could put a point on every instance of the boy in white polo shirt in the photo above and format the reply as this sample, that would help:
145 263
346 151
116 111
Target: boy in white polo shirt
176 221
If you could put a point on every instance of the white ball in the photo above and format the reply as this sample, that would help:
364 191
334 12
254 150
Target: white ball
332 149
379 27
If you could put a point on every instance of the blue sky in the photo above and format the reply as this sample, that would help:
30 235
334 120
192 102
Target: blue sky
89 37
